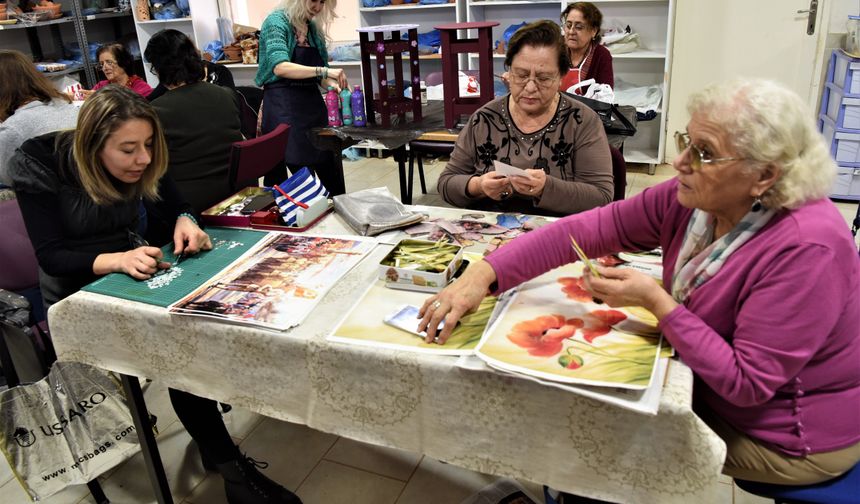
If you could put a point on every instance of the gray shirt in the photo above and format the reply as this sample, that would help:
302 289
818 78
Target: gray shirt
31 120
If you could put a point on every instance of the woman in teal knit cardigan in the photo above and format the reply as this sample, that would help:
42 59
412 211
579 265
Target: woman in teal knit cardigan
293 64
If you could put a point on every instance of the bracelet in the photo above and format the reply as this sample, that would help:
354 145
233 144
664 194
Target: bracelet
186 214
317 72
325 72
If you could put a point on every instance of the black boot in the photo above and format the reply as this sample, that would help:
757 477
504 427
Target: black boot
244 484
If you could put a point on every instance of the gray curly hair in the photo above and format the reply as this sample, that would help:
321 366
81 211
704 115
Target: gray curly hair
770 124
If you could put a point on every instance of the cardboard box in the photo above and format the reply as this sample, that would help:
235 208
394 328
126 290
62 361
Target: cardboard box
410 278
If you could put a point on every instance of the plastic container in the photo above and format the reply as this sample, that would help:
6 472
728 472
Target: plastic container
844 71
852 38
843 109
844 143
358 118
332 105
346 108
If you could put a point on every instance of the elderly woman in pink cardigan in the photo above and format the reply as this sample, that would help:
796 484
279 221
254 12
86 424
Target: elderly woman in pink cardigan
760 282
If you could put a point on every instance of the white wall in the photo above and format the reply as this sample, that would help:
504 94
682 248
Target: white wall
343 28
711 43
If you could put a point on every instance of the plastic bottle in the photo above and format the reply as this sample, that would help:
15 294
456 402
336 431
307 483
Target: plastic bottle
358 118
423 86
345 99
332 104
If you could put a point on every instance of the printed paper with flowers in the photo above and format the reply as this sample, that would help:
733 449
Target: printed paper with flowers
554 330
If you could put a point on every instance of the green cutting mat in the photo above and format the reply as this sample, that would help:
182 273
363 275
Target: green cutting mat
171 285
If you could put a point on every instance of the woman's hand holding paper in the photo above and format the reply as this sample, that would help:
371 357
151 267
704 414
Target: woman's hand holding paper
457 299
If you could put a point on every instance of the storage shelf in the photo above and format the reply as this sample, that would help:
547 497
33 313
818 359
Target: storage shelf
69 70
647 156
19 24
107 15
641 54
411 6
492 3
165 21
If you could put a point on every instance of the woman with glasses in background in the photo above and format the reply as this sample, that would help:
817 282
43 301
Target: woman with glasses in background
581 22
760 274
559 142
117 64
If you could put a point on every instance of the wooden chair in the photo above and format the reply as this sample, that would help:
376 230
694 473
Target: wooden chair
252 159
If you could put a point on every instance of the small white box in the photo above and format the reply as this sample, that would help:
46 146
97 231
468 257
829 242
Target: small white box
403 276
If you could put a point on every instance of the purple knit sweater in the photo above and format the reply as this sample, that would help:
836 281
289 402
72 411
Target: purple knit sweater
773 338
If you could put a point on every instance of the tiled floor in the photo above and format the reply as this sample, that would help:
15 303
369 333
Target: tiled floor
320 467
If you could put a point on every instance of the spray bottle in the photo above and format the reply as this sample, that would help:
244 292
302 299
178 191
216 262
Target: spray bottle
358 117
332 104
345 99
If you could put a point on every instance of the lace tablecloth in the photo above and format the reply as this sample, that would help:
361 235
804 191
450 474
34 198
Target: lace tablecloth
480 420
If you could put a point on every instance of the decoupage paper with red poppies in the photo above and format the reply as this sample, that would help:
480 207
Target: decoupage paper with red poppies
553 330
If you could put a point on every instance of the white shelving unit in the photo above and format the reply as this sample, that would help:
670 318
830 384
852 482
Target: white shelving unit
650 64
200 28
653 20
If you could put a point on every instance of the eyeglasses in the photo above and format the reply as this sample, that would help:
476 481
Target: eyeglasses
107 64
570 26
542 81
697 157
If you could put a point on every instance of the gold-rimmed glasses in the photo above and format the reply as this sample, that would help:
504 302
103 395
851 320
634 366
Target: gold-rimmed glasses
697 157
571 26
543 81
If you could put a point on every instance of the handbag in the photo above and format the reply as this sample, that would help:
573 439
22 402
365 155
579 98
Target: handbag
613 120
298 195
65 429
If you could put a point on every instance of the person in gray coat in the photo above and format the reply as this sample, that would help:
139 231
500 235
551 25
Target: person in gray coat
29 106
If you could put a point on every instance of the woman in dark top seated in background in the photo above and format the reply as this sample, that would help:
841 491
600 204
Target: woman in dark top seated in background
201 120
80 193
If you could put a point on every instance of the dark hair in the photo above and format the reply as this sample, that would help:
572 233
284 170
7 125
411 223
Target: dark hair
123 58
22 83
543 33
174 58
590 13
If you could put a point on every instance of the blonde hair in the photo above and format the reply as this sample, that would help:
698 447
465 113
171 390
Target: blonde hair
770 124
298 13
101 115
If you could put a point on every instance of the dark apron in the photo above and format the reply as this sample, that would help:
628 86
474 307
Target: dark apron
297 102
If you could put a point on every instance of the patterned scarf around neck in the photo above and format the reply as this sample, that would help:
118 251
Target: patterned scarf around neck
700 259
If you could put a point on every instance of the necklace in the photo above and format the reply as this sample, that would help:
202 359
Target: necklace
558 105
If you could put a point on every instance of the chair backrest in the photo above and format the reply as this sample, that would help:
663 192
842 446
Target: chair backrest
250 99
20 269
619 173
251 159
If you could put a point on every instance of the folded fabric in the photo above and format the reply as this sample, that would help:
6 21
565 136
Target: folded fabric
373 211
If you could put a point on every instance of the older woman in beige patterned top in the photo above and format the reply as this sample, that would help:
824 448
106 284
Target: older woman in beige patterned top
558 141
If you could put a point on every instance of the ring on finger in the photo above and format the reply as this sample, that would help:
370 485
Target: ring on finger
436 305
